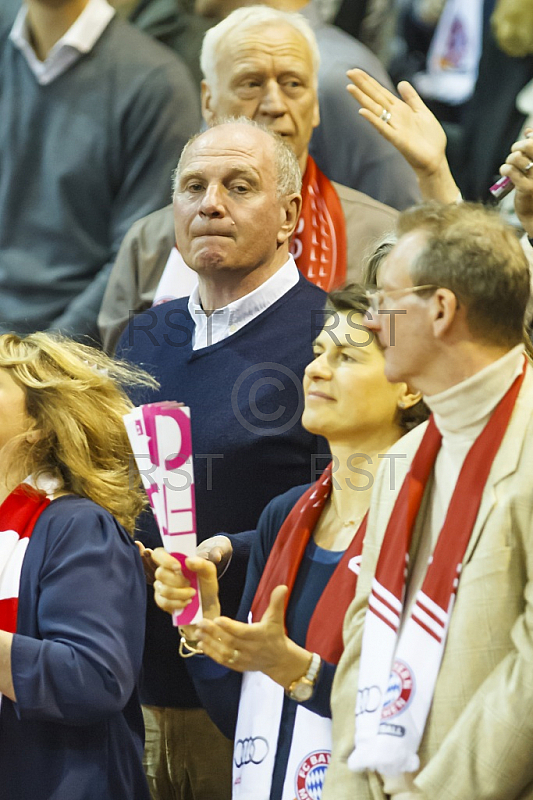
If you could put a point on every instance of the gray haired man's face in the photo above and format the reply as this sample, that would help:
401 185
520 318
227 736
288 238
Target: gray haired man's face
266 74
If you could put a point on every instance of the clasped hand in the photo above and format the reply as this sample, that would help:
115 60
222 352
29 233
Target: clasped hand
173 591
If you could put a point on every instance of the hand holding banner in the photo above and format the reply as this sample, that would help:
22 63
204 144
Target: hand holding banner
160 436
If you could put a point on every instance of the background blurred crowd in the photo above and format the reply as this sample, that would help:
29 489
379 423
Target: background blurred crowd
472 63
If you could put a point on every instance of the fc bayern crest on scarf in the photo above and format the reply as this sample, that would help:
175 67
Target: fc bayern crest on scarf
262 700
310 775
399 663
399 691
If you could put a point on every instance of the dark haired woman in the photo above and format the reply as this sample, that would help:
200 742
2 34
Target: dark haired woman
302 573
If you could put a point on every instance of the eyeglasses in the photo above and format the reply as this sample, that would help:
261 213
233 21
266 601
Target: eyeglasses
376 297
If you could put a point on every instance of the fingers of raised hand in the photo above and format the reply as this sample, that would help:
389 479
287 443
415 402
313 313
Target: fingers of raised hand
368 87
522 159
379 114
410 96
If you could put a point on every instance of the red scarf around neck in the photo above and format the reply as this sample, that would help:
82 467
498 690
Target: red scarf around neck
324 634
18 514
462 511
319 242
402 653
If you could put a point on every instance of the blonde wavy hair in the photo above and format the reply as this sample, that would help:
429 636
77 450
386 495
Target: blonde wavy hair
75 397
512 23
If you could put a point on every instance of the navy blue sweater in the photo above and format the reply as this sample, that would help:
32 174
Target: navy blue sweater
246 401
76 730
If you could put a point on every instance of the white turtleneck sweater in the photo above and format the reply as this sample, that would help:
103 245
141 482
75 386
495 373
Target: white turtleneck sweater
460 414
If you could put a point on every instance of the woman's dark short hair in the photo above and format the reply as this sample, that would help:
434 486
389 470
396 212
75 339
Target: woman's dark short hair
353 298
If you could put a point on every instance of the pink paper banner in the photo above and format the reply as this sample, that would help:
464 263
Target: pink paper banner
160 434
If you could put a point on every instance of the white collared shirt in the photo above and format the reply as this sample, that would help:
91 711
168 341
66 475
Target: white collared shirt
224 322
79 39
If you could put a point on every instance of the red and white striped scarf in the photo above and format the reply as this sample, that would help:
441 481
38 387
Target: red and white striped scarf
319 241
398 671
18 514
261 703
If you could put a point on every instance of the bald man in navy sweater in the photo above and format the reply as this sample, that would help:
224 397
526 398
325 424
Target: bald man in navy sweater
235 352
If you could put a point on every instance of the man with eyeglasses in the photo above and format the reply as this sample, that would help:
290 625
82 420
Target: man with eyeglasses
433 696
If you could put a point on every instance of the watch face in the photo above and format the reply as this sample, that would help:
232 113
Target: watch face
302 691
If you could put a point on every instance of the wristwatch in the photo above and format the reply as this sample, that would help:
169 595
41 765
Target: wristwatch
302 688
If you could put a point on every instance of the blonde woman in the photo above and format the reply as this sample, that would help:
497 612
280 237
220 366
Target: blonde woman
72 590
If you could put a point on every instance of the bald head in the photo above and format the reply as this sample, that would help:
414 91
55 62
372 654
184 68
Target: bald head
287 171
233 216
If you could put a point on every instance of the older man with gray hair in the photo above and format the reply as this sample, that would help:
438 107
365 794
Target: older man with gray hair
263 64
235 353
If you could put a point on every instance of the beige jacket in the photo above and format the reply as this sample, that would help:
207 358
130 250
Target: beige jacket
146 247
478 742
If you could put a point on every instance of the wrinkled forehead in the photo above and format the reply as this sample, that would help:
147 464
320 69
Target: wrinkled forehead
271 46
231 148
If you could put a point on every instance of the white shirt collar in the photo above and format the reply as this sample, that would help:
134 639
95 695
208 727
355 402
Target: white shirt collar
79 39
463 409
228 320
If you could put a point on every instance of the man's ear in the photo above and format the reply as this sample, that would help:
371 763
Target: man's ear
444 307
290 211
206 98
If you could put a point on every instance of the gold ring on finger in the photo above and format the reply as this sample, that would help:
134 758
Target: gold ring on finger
233 658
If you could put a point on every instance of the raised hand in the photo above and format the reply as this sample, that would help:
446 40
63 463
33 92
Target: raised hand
518 168
408 124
